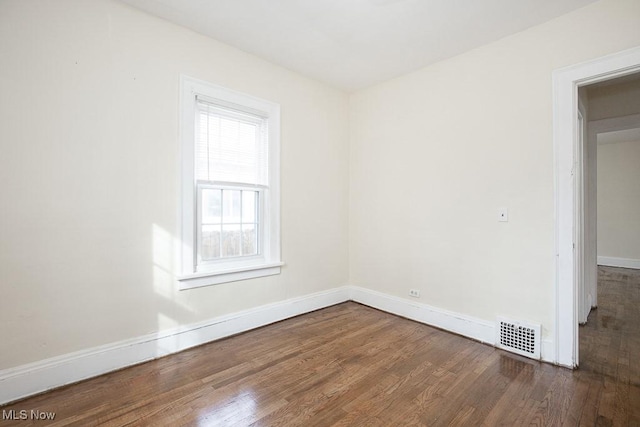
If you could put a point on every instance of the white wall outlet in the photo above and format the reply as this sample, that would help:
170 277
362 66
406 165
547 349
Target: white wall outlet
414 293
503 215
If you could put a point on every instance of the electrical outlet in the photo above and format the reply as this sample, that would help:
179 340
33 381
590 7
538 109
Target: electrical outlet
414 293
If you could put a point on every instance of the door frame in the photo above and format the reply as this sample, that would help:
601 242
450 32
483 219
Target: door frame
565 137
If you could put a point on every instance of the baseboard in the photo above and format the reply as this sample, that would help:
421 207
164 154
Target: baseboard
471 327
22 381
547 352
461 324
26 380
619 262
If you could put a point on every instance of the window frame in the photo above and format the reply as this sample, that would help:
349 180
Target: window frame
192 272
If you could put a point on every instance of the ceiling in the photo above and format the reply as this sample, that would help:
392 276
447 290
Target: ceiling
628 135
351 44
629 78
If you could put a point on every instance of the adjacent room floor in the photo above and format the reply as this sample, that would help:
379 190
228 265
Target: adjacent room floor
353 365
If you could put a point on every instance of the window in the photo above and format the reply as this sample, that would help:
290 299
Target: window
230 185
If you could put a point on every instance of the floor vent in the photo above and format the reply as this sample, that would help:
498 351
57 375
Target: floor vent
518 337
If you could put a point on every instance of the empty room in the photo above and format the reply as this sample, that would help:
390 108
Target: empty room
320 212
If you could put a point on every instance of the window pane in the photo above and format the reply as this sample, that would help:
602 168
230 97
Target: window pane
230 240
249 240
231 145
211 206
210 242
249 206
231 206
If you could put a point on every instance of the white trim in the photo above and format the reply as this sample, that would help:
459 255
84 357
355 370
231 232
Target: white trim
471 327
32 378
238 269
619 262
565 106
547 351
195 280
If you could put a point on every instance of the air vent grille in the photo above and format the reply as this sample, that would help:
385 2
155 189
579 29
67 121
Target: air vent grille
518 337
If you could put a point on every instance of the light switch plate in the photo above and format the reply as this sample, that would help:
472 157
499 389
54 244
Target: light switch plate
503 215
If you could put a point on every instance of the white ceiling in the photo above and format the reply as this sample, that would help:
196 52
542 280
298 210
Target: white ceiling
351 44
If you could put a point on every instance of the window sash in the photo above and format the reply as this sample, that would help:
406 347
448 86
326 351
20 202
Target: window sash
258 222
231 145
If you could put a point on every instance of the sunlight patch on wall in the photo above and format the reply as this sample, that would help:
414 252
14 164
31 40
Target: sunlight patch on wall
164 252
163 262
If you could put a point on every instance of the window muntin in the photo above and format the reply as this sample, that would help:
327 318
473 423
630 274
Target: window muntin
229 221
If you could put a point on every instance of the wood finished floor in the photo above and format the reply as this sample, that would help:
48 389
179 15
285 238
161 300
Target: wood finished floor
350 365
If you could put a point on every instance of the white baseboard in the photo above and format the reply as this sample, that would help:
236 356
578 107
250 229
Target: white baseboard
22 381
619 262
547 352
461 324
471 327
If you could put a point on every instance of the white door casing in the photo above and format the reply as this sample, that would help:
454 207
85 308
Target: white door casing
565 135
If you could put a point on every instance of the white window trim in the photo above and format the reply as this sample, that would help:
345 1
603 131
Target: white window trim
267 263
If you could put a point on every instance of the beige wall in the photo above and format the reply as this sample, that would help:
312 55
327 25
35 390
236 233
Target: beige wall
89 165
436 152
619 200
411 170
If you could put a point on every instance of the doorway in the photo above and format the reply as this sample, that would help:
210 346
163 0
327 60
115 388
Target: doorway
609 126
570 249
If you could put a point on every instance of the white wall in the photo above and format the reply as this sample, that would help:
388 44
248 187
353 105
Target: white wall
90 174
619 200
436 152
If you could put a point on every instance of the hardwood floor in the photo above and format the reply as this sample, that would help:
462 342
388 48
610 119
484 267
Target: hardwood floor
350 365
610 348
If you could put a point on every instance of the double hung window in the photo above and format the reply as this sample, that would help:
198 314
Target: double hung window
230 185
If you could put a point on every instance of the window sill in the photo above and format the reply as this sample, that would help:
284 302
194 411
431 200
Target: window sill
196 280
